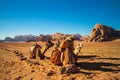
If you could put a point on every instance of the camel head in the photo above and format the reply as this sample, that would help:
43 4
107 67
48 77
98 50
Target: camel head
48 45
56 45
78 48
37 45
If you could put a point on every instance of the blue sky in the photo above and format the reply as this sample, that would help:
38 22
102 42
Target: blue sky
19 17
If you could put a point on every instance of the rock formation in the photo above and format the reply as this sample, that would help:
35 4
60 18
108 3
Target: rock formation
18 38
103 33
57 36
85 38
44 38
41 37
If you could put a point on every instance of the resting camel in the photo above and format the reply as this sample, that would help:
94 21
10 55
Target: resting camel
36 50
56 53
55 56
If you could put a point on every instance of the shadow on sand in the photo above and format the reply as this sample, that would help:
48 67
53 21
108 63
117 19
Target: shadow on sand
87 56
100 66
95 57
110 58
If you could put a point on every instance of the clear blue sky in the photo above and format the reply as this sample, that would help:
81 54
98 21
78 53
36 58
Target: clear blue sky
19 17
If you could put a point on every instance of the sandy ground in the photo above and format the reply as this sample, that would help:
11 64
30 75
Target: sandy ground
97 61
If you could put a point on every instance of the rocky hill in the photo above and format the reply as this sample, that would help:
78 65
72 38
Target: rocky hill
44 38
57 36
21 38
102 32
85 38
41 37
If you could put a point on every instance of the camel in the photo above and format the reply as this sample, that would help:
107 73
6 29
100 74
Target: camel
36 50
55 56
56 53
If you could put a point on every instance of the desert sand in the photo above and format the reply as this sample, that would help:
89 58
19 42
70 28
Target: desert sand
97 61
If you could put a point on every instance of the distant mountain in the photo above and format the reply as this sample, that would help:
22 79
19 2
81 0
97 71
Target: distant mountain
21 38
77 36
41 37
1 40
57 36
85 38
25 37
9 39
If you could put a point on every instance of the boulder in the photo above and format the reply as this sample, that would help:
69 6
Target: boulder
103 33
